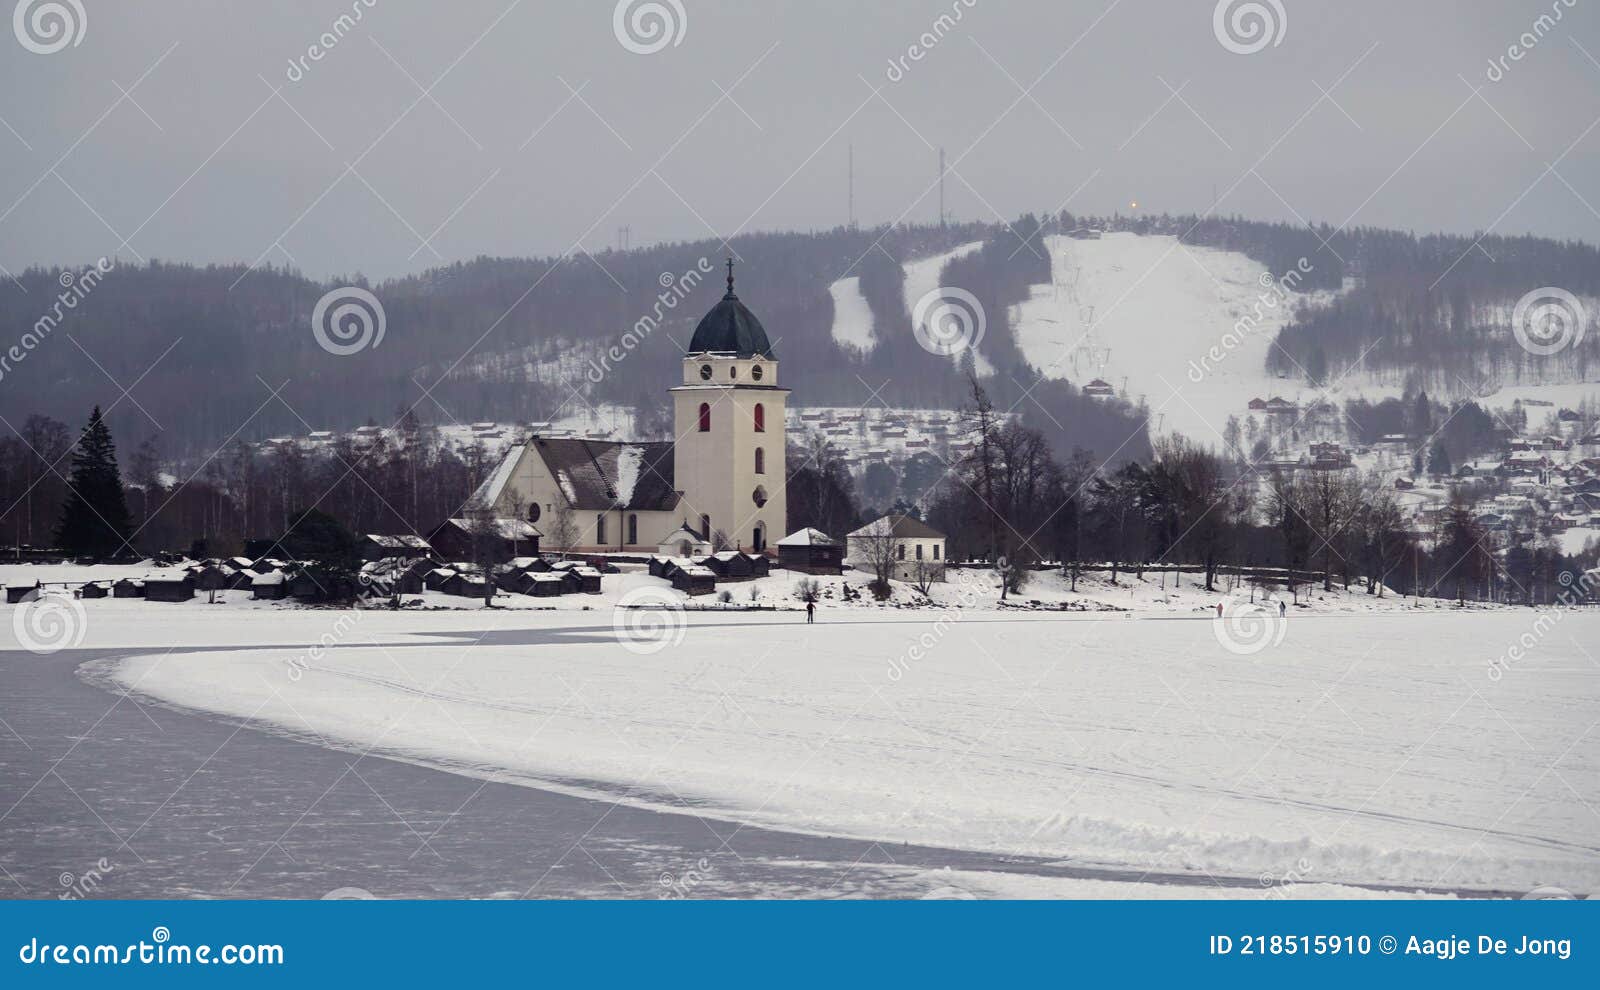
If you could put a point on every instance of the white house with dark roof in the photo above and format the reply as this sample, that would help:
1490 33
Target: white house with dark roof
722 477
917 547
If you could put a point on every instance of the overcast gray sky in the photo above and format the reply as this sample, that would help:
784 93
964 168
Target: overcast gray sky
431 132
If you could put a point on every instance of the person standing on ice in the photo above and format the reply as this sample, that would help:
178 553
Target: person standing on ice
811 611
1282 608
1219 610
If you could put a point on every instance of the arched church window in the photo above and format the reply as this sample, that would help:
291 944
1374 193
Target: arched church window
761 418
761 461
705 417
633 528
600 530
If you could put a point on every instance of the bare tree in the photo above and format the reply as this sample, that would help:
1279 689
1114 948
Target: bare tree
564 532
487 543
875 547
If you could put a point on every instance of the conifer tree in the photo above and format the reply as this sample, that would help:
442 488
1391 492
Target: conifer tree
94 519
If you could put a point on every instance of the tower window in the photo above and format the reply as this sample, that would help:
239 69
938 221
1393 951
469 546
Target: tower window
755 372
936 551
705 372
759 496
900 551
761 461
761 418
705 526
705 417
533 512
733 371
919 551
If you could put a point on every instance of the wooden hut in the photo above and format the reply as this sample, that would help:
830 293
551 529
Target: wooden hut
729 565
760 564
272 586
128 588
588 579
437 578
811 551
545 584
95 589
693 579
22 593
172 587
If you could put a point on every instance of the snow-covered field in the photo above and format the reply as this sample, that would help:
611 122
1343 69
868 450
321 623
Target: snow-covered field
1137 310
1364 749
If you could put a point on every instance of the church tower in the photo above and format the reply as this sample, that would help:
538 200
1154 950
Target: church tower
729 416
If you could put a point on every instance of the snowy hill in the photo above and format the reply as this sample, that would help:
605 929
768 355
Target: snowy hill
1141 312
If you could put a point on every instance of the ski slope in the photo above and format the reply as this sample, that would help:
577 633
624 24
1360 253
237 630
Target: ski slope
1141 312
852 317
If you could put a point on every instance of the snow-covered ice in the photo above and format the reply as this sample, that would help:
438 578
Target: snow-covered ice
1366 748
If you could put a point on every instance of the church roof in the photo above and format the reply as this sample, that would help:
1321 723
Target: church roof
606 474
730 328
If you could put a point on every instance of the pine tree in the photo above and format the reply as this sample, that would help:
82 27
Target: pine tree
94 519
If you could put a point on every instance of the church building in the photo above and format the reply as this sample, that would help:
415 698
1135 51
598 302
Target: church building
722 477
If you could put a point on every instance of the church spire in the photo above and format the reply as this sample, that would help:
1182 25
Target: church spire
730 294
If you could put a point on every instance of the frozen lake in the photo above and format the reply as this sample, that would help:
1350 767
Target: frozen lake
1016 756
